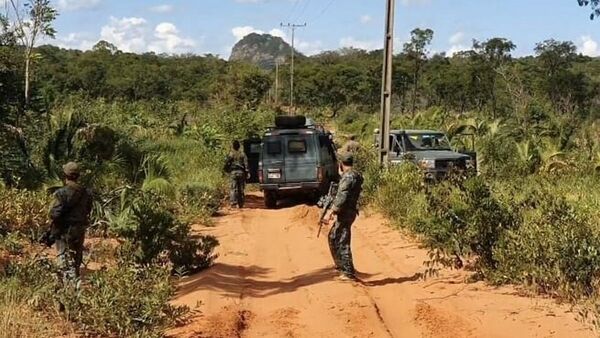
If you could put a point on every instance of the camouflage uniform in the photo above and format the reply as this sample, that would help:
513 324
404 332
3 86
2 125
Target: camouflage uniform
345 206
70 216
237 167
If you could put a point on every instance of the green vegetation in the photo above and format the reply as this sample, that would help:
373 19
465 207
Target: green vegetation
151 132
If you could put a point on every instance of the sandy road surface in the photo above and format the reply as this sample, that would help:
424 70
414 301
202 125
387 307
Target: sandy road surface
274 278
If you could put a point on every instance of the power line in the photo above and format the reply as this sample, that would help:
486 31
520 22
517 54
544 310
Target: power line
323 11
289 16
303 10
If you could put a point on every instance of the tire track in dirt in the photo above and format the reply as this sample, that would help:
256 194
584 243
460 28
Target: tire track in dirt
275 279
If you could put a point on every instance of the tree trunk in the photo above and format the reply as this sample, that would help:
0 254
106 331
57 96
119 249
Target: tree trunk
415 84
27 66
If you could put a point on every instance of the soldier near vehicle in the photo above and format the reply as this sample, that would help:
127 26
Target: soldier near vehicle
70 218
236 165
351 146
345 211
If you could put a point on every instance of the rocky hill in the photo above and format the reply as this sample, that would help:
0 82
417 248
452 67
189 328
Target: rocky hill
261 49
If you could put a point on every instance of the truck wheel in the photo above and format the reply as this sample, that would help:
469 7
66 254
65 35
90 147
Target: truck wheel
270 200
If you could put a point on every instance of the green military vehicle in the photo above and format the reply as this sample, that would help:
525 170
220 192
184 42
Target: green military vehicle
431 151
295 158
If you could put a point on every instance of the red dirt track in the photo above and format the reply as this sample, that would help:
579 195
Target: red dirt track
274 278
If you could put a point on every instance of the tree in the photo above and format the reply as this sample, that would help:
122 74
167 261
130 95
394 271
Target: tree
555 56
595 4
562 86
33 21
416 50
494 53
104 46
10 79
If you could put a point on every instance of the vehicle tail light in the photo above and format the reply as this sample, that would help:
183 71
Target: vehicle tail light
261 175
320 174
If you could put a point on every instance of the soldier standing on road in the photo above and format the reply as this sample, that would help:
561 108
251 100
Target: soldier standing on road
352 146
70 219
236 165
345 210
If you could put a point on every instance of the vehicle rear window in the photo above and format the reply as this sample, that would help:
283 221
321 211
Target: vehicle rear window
296 146
273 147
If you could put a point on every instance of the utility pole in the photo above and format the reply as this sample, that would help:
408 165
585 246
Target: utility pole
293 28
276 82
386 90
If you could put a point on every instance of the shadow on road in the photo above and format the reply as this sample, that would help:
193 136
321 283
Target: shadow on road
388 281
256 201
234 280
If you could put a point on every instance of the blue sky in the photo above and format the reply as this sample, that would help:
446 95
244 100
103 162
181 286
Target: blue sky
213 26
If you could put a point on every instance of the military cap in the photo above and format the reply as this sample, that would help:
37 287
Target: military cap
71 169
347 158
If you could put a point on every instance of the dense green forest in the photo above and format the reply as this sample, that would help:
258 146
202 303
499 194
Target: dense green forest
151 132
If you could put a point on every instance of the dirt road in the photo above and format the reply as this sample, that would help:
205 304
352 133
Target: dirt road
274 278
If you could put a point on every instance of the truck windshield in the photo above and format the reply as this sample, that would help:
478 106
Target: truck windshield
424 141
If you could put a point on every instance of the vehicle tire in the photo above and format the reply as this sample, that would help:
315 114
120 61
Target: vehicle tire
270 200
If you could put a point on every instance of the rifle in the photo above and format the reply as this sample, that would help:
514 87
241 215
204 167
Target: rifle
48 238
325 203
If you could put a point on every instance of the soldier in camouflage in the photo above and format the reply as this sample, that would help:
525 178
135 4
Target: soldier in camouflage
236 165
345 210
70 219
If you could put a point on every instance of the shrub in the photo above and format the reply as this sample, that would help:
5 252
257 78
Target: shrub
466 218
556 250
23 211
124 301
399 194
26 289
190 253
200 199
155 235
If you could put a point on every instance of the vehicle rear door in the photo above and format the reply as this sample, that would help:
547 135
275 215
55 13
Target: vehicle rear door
328 159
252 150
300 158
273 160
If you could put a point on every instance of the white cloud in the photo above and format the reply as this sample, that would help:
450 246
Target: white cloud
310 47
360 44
162 9
241 31
168 39
128 34
81 41
135 35
457 38
457 43
365 19
589 46
73 5
278 32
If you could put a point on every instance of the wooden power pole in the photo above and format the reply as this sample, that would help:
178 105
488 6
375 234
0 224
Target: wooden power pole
293 28
276 82
386 91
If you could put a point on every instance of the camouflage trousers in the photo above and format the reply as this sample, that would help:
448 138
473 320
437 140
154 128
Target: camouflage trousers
340 244
70 253
236 189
